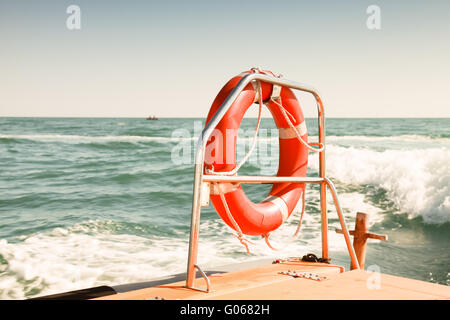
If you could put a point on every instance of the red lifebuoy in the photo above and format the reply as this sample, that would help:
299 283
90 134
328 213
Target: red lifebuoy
220 155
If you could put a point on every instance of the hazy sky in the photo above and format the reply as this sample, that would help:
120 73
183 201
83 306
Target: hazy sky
170 58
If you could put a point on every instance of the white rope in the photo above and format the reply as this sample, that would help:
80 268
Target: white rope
301 215
239 235
255 136
285 114
295 235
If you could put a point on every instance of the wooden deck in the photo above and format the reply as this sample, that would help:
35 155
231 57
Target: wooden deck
267 283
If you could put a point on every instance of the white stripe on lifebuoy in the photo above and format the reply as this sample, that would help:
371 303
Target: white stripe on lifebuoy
223 188
289 133
280 204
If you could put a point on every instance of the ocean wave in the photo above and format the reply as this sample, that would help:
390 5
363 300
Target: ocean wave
416 181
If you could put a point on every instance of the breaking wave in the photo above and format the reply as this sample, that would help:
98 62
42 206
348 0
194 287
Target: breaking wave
417 181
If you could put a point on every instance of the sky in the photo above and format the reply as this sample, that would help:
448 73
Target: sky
171 58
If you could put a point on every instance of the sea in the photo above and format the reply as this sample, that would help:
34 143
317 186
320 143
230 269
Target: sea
107 201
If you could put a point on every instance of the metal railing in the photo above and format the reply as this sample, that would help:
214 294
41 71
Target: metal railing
201 178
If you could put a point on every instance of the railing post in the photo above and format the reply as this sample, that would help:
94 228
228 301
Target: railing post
195 226
323 186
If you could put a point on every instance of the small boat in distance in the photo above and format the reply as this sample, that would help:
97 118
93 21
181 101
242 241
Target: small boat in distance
152 118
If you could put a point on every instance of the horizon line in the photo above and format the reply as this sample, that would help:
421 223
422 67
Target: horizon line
188 117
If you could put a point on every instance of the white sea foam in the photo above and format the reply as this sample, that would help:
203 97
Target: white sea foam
92 139
74 139
417 181
247 137
91 253
67 259
88 254
405 137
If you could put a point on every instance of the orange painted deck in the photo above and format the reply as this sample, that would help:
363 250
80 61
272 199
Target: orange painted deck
266 283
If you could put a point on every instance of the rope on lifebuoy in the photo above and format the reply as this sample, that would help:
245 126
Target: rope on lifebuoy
295 235
299 137
255 137
239 235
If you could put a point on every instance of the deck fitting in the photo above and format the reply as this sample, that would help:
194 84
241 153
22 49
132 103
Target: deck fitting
305 275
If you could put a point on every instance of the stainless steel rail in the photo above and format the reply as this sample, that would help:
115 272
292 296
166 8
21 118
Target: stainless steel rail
200 178
261 179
